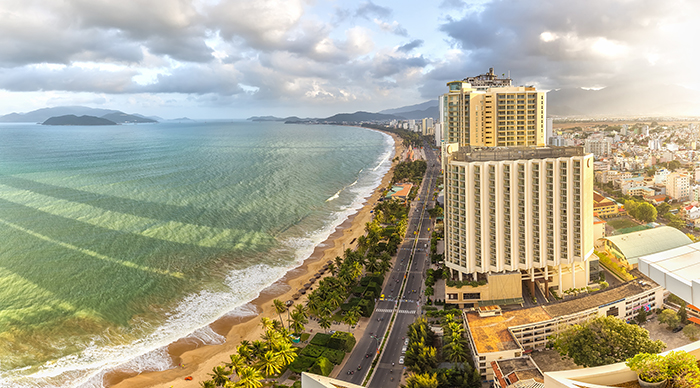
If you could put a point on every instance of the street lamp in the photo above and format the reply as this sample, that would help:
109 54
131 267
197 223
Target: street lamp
374 337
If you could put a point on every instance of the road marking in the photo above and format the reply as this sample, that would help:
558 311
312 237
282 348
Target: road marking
391 310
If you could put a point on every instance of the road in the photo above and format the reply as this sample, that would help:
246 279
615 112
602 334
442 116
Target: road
407 304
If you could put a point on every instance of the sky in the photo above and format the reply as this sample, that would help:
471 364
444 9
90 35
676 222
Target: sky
315 58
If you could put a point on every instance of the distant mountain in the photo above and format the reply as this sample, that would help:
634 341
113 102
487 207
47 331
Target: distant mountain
360 116
41 115
75 120
123 118
411 108
265 118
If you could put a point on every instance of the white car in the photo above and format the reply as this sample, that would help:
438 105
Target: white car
403 350
401 360
405 342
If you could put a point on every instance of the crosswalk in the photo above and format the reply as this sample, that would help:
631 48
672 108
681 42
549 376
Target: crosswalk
391 310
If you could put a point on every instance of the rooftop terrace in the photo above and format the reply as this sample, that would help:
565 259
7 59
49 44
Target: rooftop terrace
491 333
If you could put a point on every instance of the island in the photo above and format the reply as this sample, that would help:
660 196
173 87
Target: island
75 120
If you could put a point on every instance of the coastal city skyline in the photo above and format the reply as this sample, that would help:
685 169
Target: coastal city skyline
234 59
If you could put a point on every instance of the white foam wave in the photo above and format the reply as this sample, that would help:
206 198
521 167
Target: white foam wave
335 196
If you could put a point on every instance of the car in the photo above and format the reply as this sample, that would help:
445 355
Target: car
401 360
405 342
677 329
403 350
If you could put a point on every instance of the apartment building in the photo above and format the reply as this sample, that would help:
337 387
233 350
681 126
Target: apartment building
678 186
499 116
597 147
517 214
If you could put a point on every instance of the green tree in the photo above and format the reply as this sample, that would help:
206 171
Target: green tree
249 377
325 322
297 322
352 316
670 318
603 341
662 209
646 212
237 362
675 221
641 316
692 332
220 375
422 380
280 307
208 384
683 315
270 363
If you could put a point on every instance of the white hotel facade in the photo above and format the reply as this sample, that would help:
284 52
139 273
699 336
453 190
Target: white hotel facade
523 212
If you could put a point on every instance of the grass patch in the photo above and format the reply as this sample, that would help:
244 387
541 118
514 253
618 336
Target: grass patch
620 223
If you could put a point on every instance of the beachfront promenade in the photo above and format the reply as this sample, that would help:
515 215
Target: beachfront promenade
410 265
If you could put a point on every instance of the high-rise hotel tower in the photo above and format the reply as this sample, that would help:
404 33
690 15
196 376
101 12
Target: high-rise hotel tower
516 213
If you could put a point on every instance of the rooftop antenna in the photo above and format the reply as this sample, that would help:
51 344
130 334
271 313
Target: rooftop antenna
508 74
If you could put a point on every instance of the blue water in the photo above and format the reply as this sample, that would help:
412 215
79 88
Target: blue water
116 241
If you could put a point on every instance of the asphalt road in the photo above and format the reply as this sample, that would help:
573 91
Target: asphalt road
406 304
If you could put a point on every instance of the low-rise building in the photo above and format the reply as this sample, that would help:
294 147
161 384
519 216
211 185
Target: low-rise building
518 372
516 332
629 247
604 207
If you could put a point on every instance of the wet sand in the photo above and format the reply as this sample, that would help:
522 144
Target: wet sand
198 360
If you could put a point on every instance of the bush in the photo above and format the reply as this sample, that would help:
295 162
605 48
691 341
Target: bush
334 356
366 307
297 384
301 364
322 366
341 340
358 290
321 339
312 350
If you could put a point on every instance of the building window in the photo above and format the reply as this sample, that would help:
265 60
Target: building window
452 296
471 295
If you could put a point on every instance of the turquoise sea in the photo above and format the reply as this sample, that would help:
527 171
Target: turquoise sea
116 241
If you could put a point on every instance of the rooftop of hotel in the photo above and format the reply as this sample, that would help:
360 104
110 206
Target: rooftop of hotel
516 153
597 299
491 333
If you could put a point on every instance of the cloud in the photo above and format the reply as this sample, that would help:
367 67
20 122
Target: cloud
393 27
410 45
369 11
583 44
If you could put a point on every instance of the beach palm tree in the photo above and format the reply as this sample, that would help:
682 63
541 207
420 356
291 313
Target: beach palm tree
220 376
258 348
301 309
266 323
280 307
249 377
270 363
372 264
332 268
325 322
245 351
352 316
298 321
208 384
287 352
237 362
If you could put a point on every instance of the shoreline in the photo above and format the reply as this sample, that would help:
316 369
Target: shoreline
197 360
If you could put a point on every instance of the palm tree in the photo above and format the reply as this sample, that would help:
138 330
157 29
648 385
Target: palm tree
237 362
208 384
258 348
266 323
245 351
280 307
331 268
220 376
249 377
297 322
287 352
270 363
372 264
324 321
352 316
301 309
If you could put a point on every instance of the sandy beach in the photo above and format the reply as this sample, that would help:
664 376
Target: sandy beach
198 361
